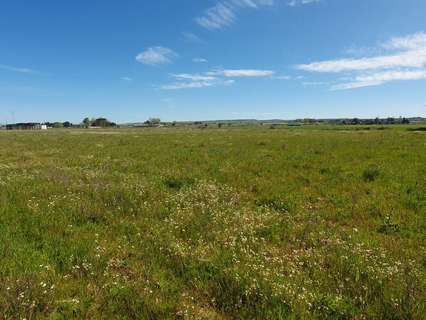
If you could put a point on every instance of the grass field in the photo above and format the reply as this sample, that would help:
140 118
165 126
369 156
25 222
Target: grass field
231 223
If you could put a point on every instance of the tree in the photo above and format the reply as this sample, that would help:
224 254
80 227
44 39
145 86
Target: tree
153 121
103 123
67 124
86 122
355 121
390 121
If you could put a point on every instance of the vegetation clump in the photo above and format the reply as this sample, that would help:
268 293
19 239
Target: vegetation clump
371 174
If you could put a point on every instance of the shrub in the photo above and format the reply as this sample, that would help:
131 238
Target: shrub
388 227
370 174
177 183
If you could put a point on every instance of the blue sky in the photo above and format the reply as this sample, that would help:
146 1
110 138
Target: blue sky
199 59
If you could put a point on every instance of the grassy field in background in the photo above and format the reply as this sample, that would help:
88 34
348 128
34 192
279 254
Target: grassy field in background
231 223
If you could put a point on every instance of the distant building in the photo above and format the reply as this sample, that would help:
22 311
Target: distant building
26 126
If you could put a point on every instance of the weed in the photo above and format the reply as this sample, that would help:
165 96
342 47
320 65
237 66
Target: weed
370 174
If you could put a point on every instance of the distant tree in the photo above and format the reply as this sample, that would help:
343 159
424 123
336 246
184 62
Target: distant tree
67 124
355 121
153 121
390 121
86 122
103 123
100 122
308 121
57 125
405 121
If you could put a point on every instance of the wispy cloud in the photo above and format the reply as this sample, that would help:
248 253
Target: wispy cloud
217 17
404 59
193 77
199 60
242 73
379 78
156 56
19 70
187 85
195 84
282 77
354 85
192 38
223 13
213 78
294 3
128 79
393 75
410 42
313 83
412 58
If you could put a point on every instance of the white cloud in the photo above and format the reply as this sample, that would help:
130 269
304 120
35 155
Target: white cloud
156 56
199 60
197 84
242 73
213 78
294 3
406 61
187 85
394 75
193 77
126 79
410 42
217 17
379 78
412 58
355 85
19 70
223 13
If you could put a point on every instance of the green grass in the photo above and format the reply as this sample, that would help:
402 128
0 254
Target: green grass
231 223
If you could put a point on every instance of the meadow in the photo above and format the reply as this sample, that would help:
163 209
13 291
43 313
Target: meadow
315 222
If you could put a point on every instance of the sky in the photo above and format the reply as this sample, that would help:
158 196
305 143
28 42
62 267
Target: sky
130 60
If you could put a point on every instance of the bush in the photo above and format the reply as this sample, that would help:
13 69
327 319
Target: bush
177 183
370 174
388 227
